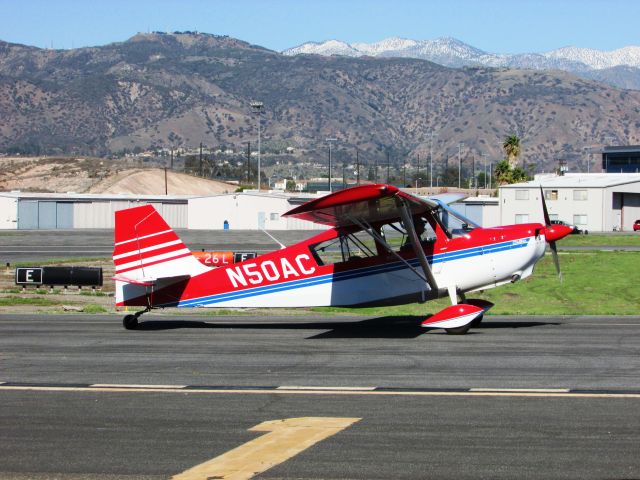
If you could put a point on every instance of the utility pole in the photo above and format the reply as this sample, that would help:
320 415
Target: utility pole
485 155
257 109
404 173
330 141
460 145
201 172
248 162
474 170
166 190
433 134
357 167
388 165
418 172
171 164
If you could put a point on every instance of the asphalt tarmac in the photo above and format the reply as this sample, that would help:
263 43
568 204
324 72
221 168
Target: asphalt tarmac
33 245
518 397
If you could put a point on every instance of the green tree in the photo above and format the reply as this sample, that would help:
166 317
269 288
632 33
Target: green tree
511 146
291 185
505 174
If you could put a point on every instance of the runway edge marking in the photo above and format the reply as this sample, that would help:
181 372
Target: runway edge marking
377 391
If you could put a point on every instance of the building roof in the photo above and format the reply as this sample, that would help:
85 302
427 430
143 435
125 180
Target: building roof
579 180
622 149
85 197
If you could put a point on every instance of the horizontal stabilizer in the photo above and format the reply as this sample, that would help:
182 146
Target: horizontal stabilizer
145 282
454 316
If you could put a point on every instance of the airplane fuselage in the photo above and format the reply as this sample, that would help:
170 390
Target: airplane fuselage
294 277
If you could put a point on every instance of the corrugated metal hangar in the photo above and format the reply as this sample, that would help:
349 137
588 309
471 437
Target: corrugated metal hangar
21 210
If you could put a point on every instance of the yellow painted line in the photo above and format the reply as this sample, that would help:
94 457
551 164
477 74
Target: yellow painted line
285 439
522 390
329 389
384 393
136 386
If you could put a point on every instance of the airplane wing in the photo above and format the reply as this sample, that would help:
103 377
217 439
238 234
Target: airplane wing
372 203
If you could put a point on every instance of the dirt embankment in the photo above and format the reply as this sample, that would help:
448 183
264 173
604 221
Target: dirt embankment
93 175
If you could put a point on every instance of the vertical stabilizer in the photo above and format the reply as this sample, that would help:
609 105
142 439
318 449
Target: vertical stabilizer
147 249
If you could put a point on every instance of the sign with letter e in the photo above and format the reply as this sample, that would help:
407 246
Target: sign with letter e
29 276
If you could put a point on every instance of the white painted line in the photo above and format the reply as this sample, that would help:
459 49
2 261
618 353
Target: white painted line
330 389
522 390
119 385
380 393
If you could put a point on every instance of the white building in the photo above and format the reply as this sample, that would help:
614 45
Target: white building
247 211
22 210
599 202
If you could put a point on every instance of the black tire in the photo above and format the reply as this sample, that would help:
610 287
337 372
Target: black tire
476 321
130 322
458 330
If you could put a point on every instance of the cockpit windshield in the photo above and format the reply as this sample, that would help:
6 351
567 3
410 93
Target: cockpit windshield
454 222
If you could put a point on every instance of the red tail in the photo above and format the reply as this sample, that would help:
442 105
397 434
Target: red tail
147 248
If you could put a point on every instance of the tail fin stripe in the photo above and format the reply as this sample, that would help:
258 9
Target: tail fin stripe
142 262
138 265
147 249
155 254
143 237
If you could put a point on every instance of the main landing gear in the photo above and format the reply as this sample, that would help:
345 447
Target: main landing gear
130 322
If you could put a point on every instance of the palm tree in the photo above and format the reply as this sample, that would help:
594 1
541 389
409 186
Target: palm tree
511 146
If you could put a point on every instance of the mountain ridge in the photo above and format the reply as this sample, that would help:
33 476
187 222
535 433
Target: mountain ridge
161 91
450 52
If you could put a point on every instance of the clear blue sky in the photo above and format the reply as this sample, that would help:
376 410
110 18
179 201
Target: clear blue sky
501 26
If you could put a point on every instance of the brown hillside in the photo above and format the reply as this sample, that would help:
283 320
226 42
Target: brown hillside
151 182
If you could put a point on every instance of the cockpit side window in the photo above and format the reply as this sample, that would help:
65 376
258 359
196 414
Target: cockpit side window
454 223
345 247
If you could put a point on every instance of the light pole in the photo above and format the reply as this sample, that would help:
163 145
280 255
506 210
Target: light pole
257 109
330 140
433 134
460 145
485 155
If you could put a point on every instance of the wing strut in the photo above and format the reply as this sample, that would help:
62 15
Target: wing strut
367 228
415 242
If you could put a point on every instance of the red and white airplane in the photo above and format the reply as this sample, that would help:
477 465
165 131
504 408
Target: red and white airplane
385 247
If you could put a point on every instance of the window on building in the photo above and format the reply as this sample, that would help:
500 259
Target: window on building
522 218
553 216
580 219
522 194
551 194
274 217
579 194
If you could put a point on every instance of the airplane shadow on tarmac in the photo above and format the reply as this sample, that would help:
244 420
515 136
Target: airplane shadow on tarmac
380 327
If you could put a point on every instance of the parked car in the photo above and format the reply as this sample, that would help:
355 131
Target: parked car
573 228
636 225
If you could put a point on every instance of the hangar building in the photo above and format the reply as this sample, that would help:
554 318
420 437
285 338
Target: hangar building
599 202
21 210
250 210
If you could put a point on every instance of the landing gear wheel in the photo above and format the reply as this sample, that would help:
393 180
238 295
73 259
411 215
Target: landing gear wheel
476 321
458 330
130 322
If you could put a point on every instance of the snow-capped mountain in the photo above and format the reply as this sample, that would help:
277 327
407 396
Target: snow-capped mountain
451 52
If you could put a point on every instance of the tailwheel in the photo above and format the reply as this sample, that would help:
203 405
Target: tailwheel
130 322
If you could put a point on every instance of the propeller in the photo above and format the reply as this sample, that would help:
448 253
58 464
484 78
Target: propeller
553 233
